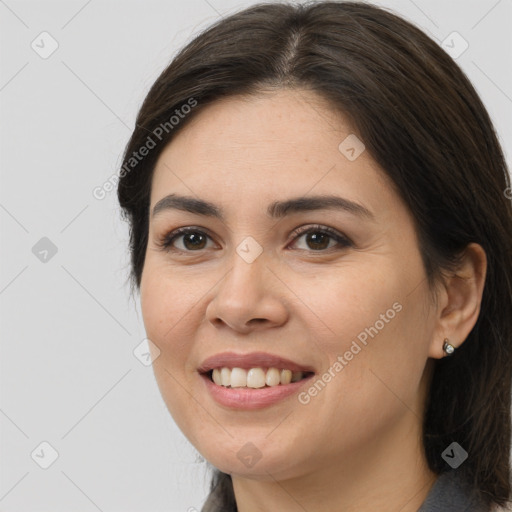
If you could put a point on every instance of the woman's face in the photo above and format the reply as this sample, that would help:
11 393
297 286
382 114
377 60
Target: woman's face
352 311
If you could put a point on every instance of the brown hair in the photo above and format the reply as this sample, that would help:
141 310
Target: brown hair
424 124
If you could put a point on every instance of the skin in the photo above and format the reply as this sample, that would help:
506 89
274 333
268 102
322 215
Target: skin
356 446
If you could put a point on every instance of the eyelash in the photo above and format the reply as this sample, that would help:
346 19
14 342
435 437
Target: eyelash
165 243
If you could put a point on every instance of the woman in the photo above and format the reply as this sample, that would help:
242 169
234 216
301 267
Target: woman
321 239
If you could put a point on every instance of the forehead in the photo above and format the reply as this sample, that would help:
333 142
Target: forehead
269 146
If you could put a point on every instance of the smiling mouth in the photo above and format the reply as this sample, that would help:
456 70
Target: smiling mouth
255 378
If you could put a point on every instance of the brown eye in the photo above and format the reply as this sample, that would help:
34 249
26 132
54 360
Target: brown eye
192 240
318 238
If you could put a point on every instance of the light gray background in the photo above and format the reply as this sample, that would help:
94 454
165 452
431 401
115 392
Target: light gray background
68 328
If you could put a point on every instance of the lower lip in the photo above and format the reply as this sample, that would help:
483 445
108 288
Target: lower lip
252 398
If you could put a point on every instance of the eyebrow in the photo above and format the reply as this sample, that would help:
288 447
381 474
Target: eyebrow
276 210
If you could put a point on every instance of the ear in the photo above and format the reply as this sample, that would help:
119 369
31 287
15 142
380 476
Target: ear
459 299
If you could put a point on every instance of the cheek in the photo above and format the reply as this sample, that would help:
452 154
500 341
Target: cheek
377 326
345 303
164 313
167 311
168 303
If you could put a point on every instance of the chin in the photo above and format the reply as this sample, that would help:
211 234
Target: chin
252 460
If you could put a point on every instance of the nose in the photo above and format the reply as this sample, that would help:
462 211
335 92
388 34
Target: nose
249 297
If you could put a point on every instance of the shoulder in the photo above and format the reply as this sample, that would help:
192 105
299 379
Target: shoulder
452 493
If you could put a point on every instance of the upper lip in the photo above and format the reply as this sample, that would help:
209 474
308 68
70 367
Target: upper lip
251 360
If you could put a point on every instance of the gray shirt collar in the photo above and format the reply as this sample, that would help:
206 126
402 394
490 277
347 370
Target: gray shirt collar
450 493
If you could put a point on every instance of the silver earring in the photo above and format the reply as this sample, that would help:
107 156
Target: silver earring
448 347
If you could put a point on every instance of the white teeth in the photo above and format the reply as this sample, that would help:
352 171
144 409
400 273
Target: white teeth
273 378
254 378
238 378
225 377
286 376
